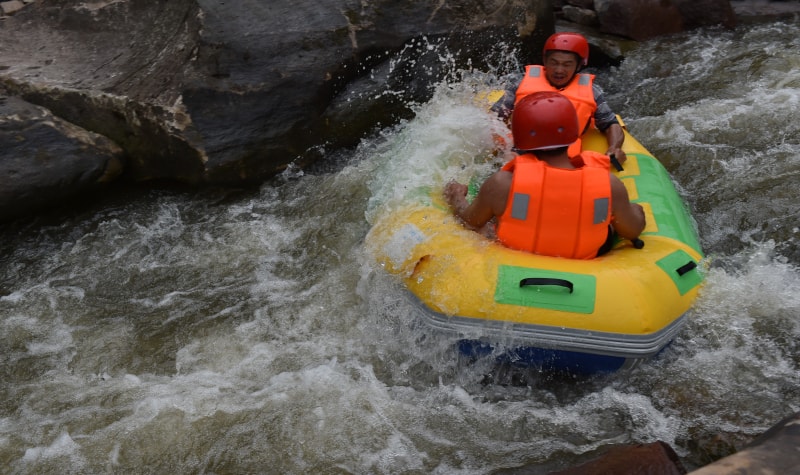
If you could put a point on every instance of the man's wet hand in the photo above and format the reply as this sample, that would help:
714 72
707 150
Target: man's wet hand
455 194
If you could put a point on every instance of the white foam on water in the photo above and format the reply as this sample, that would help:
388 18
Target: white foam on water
63 449
452 137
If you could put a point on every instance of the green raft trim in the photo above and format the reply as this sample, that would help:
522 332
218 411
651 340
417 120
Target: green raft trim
654 186
580 300
670 265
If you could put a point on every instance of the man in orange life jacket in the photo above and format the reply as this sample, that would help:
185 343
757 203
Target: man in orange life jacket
564 55
545 201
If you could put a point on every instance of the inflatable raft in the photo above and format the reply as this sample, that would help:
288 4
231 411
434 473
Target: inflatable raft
582 316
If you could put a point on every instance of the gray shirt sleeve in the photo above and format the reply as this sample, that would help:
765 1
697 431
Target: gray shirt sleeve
604 117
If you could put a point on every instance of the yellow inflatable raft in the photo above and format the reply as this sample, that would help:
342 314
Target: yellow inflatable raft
578 315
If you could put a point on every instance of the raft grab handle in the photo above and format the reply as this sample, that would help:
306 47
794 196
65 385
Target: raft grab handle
615 162
546 281
686 268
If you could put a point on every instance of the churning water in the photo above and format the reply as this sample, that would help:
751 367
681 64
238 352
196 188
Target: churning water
250 333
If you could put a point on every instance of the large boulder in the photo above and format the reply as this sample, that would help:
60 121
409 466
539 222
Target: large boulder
655 458
203 91
46 160
775 451
646 19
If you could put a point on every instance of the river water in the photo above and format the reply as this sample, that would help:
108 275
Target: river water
168 331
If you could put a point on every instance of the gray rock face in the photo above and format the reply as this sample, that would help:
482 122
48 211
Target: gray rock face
213 92
205 91
645 19
46 159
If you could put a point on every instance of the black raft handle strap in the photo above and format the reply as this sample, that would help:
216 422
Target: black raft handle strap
546 281
615 162
691 265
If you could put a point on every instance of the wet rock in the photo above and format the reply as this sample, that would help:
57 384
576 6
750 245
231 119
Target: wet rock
587 4
656 458
645 19
202 91
207 92
11 7
775 451
199 91
582 16
45 160
754 11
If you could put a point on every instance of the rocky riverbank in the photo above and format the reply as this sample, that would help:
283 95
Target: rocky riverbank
203 92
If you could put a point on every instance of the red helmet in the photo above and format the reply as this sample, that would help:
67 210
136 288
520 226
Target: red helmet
544 120
572 42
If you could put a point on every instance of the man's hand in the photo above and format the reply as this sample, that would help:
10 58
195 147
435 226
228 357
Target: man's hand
456 196
617 153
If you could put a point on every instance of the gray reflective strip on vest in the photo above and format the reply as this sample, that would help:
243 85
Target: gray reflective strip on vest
519 206
521 201
583 79
600 210
534 72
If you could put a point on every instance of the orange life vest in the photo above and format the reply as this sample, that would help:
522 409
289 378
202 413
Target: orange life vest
587 158
555 211
579 91
590 158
